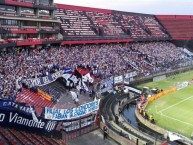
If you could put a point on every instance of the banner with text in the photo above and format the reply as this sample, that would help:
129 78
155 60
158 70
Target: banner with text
159 78
106 85
78 123
11 118
132 89
65 114
131 74
10 105
45 80
118 79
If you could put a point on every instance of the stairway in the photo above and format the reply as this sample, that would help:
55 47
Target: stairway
32 99
55 89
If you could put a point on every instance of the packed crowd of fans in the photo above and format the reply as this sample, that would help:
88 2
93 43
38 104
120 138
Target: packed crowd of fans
103 60
152 57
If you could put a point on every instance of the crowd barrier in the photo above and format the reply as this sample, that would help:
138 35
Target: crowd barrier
44 95
163 93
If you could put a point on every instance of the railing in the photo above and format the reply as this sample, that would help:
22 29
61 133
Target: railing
46 7
108 106
25 16
19 3
44 95
6 44
75 38
139 132
78 128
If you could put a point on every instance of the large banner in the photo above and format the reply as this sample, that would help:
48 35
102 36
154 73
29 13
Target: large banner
66 114
132 89
78 123
106 85
11 118
159 78
20 107
182 85
129 77
118 79
131 74
45 80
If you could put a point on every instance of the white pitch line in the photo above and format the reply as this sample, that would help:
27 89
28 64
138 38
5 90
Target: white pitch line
177 120
175 104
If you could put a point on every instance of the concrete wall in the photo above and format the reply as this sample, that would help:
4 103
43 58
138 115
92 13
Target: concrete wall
117 137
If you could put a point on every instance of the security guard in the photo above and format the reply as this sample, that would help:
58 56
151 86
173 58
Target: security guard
151 118
141 110
144 114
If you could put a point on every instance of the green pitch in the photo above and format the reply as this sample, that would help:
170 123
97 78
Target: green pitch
170 81
174 111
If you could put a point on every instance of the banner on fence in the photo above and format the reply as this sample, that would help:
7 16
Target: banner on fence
159 78
10 105
66 114
130 75
20 120
106 85
132 89
118 79
79 123
45 80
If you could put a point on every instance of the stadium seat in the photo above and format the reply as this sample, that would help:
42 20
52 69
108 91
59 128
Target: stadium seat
178 27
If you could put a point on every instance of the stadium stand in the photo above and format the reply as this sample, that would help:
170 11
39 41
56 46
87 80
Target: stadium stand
179 27
105 23
12 136
10 139
116 60
140 26
74 23
33 45
79 21
102 63
149 57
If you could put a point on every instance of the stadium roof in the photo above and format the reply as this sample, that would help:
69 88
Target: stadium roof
161 7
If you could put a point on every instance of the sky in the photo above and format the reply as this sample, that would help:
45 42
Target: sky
173 7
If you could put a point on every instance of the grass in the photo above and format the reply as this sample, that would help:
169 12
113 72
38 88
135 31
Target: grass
170 81
174 111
